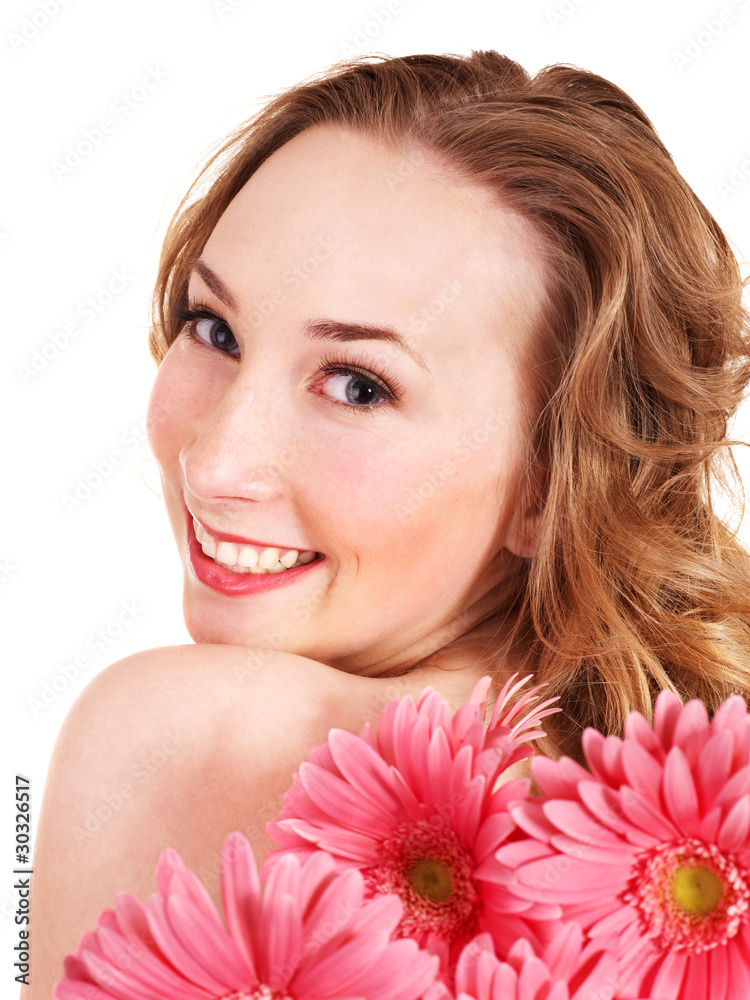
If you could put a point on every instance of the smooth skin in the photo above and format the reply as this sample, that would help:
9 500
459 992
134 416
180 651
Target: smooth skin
179 746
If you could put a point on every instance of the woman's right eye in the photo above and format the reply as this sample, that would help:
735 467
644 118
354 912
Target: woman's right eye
208 329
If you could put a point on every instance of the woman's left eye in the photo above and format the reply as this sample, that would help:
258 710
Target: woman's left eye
353 389
358 389
209 329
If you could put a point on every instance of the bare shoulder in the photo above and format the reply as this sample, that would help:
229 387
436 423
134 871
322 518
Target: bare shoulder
171 747
198 668
190 719
221 727
207 686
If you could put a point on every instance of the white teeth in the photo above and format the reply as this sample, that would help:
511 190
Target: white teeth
246 559
268 558
226 552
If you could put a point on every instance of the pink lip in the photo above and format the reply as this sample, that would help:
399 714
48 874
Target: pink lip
208 572
224 536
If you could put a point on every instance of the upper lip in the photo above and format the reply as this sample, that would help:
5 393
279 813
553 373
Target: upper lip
225 536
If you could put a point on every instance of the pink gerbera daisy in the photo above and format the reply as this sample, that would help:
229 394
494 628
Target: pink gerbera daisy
569 968
653 845
309 935
415 808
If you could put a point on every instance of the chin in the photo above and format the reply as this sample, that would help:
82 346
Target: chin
201 631
207 629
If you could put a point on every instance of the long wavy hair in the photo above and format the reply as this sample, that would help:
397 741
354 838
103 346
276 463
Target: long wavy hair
640 361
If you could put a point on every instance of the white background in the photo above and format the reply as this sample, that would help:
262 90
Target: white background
64 574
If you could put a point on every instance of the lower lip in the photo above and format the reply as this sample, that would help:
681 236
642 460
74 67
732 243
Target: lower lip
225 581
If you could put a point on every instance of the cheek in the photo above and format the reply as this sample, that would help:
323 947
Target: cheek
360 484
398 497
174 397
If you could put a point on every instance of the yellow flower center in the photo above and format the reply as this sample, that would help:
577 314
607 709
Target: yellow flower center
697 890
431 879
690 895
431 870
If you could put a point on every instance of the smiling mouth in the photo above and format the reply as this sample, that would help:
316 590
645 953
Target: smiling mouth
243 559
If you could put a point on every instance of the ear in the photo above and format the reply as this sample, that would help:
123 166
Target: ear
523 533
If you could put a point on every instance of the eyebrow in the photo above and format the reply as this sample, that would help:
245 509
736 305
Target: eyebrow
319 329
329 329
214 282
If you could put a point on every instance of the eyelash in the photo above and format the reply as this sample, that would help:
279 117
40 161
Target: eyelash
388 385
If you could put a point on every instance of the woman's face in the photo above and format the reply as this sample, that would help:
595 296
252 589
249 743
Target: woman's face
356 396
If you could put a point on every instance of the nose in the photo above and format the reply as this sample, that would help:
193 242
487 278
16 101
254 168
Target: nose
234 446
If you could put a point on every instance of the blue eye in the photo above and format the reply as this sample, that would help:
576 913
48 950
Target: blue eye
361 383
205 327
208 328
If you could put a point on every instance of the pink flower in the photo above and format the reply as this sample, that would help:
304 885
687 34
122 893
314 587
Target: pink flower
567 969
414 809
653 846
308 935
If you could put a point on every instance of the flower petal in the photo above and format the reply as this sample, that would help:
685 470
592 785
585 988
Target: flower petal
680 794
161 927
670 976
240 893
339 970
338 798
283 940
714 767
667 710
362 767
733 835
718 976
574 820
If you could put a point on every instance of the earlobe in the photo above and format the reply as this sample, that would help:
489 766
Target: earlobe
523 534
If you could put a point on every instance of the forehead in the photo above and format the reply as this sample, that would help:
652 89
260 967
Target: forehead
394 235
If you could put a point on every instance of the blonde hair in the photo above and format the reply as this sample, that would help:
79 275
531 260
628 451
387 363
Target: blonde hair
640 361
